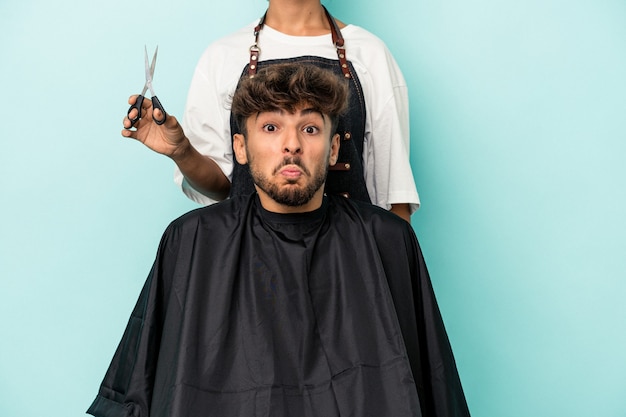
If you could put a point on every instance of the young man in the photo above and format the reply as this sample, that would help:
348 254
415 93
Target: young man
288 302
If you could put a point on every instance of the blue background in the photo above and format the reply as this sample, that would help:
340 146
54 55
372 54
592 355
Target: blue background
518 146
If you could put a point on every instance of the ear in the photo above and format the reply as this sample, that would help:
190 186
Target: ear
239 147
334 150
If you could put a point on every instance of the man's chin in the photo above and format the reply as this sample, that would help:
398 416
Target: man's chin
292 182
292 195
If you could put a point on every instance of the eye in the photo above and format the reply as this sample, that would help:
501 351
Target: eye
269 128
311 130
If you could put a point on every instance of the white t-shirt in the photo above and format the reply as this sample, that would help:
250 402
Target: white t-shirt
386 165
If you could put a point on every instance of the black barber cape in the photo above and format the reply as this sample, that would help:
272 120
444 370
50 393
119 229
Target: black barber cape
248 313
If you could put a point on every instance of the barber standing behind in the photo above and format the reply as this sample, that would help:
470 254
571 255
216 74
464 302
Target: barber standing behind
373 163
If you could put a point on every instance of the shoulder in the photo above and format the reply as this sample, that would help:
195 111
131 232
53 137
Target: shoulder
378 220
354 33
215 218
393 237
372 59
365 44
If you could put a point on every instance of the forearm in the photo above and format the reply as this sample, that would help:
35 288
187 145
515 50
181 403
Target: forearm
403 210
202 173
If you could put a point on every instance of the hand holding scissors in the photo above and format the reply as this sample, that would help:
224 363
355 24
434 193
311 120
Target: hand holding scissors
165 135
156 104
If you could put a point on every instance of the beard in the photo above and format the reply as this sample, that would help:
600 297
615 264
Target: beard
291 194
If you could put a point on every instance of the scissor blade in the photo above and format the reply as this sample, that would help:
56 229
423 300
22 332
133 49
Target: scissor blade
153 62
149 70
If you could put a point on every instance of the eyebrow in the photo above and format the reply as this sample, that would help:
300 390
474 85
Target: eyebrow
308 111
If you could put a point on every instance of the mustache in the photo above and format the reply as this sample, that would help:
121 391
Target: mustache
292 160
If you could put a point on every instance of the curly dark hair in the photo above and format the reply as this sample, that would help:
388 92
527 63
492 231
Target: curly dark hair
288 87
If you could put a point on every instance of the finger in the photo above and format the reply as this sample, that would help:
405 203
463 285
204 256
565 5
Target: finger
133 114
146 101
128 133
157 115
127 123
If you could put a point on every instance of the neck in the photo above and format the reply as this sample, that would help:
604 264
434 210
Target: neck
297 17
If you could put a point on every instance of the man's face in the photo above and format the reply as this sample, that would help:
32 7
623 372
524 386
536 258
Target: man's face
288 156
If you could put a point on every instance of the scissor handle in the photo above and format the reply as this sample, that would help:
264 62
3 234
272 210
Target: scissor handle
156 104
137 106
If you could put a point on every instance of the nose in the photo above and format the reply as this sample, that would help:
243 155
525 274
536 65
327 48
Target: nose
292 143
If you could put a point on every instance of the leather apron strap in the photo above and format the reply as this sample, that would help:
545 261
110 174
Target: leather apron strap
335 32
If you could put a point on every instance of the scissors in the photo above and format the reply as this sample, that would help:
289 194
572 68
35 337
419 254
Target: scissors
156 104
